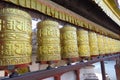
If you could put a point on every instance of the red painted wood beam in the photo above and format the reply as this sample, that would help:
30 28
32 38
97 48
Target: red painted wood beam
57 77
77 72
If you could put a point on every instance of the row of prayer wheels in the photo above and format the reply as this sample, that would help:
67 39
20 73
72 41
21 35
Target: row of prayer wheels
53 43
69 42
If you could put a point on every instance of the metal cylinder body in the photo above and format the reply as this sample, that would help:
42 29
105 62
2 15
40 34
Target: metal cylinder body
48 38
69 42
100 44
83 43
93 42
106 45
15 37
109 45
113 45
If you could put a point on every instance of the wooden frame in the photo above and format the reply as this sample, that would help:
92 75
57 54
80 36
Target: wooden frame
57 72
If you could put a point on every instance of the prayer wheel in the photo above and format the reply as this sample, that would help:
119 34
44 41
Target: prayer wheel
93 42
109 45
106 45
114 42
15 37
83 43
115 45
118 46
69 42
112 45
48 38
100 44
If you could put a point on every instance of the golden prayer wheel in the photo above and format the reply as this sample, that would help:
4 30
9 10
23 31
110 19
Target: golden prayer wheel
15 37
105 38
69 42
93 42
118 46
100 44
109 45
83 43
115 46
48 35
112 46
114 49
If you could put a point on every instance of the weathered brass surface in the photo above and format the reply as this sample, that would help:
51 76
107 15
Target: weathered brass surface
22 70
15 37
100 44
83 43
115 47
93 42
48 35
112 45
109 51
118 46
69 42
106 44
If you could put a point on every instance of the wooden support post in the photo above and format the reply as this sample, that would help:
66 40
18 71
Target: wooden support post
6 73
117 69
103 70
57 77
77 72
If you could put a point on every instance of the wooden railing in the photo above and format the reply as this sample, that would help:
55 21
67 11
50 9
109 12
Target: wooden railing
57 72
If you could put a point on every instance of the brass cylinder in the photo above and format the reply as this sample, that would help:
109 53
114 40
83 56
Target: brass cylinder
83 43
116 46
113 45
111 40
15 37
69 42
109 45
93 42
106 44
48 38
100 44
